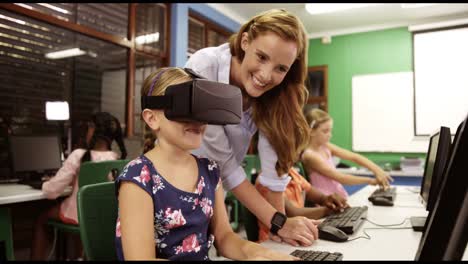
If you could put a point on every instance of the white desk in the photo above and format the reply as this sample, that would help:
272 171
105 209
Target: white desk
13 193
385 244
366 172
16 193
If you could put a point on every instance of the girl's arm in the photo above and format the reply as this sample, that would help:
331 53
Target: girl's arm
382 177
229 244
309 212
54 187
313 162
136 222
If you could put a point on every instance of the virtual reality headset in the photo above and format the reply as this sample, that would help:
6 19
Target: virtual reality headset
198 100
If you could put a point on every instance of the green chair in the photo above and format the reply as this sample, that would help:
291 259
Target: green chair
250 167
6 235
90 173
300 168
97 214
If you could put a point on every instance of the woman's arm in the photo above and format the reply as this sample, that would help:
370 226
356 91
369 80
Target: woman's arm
298 229
229 244
136 222
382 177
313 162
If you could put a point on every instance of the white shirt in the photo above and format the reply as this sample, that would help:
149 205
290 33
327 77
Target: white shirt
228 144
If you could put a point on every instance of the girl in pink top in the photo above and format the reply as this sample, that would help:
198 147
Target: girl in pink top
317 159
102 129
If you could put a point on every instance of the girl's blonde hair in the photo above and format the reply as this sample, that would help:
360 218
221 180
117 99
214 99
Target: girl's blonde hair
162 78
316 117
278 112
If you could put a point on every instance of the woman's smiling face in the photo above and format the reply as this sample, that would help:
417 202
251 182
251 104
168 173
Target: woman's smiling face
267 60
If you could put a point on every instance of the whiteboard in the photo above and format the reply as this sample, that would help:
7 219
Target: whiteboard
383 114
441 79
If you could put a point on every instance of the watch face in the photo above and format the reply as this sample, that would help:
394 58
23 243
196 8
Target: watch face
278 219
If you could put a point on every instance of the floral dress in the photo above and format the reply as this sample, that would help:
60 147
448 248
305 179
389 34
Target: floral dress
181 219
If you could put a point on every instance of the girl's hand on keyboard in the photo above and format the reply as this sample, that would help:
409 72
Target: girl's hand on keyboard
335 202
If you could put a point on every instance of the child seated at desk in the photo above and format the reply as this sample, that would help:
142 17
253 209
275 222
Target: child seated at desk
171 202
297 192
317 159
102 130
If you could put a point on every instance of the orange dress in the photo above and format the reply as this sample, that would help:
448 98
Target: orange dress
295 193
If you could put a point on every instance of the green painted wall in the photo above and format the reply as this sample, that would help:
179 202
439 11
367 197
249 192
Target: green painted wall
356 54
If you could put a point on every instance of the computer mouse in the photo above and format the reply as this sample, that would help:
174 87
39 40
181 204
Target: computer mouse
332 234
382 201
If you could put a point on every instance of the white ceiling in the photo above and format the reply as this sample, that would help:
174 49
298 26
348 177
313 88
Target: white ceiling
352 21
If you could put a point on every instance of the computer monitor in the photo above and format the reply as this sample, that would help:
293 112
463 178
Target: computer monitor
437 156
35 154
443 220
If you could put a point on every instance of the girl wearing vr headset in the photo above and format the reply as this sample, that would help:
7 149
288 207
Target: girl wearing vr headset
102 130
171 202
267 59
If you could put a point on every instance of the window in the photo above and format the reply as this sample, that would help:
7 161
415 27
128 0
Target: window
203 33
96 80
317 84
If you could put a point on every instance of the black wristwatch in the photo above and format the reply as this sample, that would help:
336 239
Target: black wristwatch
277 222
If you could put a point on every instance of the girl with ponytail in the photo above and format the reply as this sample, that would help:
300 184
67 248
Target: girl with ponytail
102 130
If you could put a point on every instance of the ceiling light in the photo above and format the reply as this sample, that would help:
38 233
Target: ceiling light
316 9
148 38
57 110
65 53
415 5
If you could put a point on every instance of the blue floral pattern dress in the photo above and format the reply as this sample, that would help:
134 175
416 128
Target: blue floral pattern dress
181 219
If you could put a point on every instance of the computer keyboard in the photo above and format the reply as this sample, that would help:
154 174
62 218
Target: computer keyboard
389 194
311 255
347 221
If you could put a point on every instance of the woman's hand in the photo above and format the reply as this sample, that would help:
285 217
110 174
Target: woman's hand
299 231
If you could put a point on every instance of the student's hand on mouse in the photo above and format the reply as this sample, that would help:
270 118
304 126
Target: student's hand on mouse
299 231
269 254
335 202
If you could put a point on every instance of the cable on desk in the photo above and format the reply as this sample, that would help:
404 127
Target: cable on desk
381 227
404 220
368 237
412 190
408 206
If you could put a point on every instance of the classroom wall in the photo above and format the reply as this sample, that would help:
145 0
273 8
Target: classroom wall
373 52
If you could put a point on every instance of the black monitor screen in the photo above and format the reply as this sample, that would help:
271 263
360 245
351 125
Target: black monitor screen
35 153
441 225
437 156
